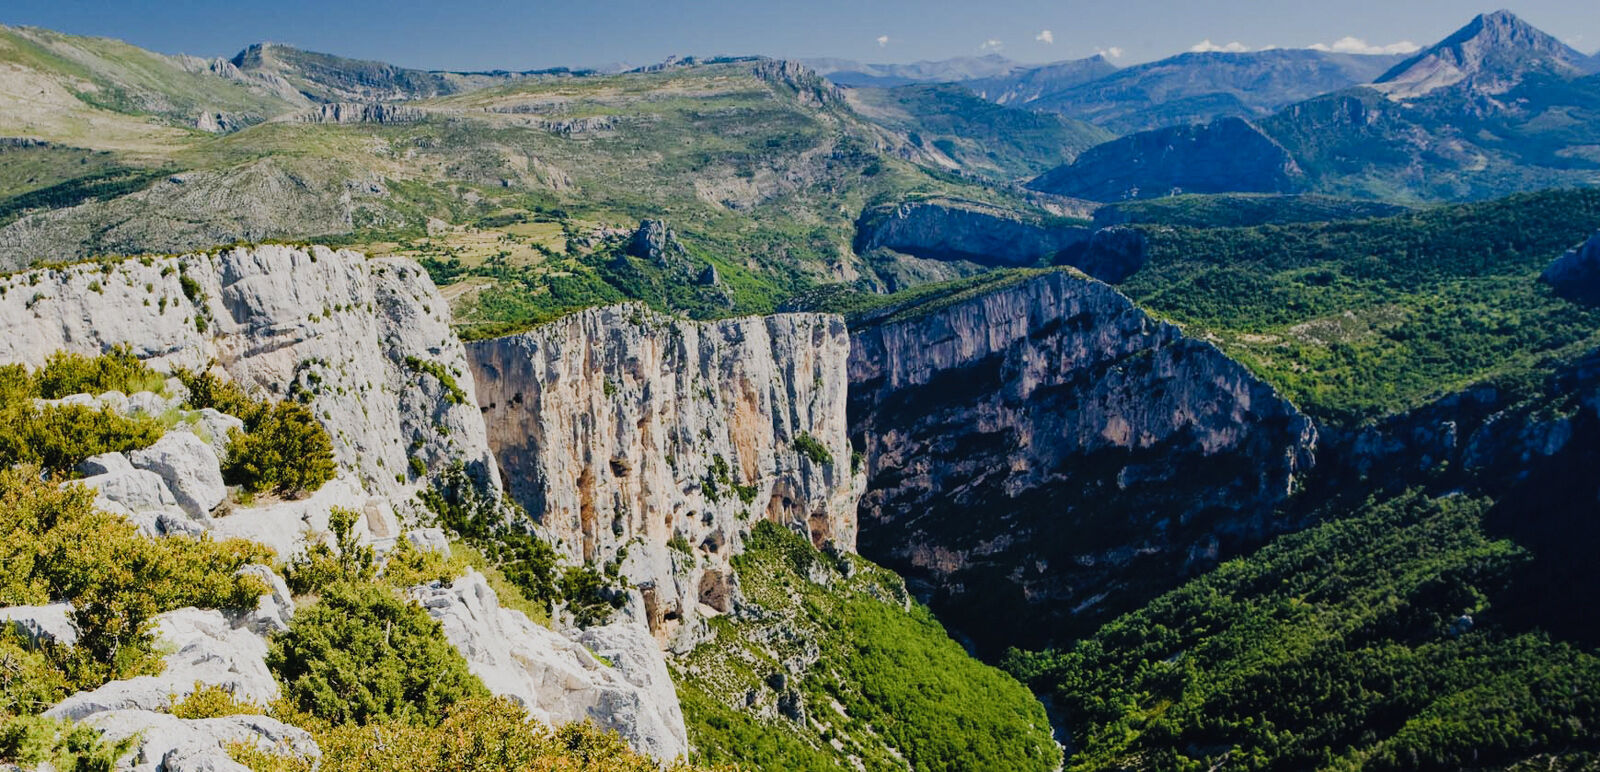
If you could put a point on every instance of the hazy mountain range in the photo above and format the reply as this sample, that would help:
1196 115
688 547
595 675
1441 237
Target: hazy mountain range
1496 107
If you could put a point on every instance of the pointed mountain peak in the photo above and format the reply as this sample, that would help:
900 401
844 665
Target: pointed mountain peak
1490 55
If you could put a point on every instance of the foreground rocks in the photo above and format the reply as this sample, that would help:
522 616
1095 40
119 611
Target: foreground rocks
206 649
558 679
366 343
350 334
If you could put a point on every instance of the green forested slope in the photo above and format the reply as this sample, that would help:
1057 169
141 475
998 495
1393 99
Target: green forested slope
1361 318
882 684
1370 642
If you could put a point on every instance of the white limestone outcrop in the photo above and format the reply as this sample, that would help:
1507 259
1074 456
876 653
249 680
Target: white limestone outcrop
555 677
50 623
352 335
190 469
171 744
206 648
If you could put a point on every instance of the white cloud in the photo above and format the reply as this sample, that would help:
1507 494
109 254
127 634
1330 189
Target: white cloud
1355 45
991 45
883 40
1115 52
1206 45
1046 37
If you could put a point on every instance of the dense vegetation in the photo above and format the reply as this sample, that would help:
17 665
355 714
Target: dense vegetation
1368 642
1241 210
361 655
885 680
489 734
54 546
100 185
282 448
58 437
1357 319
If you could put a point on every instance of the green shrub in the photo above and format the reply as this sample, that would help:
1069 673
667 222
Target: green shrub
360 655
54 546
59 437
282 448
812 448
321 565
213 701
65 374
407 566
286 450
31 741
30 680
590 595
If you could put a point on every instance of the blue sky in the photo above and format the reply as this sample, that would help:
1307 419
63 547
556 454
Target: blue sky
486 34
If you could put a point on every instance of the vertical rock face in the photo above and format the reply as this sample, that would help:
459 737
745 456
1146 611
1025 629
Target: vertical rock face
963 231
1038 452
352 333
1576 274
632 436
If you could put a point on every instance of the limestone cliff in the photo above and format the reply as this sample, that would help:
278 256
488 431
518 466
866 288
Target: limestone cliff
636 437
367 344
948 230
357 337
1038 453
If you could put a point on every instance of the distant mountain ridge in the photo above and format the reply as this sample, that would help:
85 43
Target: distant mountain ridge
1496 107
1199 86
848 72
1491 54
1191 87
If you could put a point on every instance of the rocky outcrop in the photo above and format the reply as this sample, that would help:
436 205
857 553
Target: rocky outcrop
656 442
655 242
167 743
42 624
190 469
963 231
1576 274
556 678
206 648
344 332
359 112
1045 455
812 89
1228 155
1487 437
